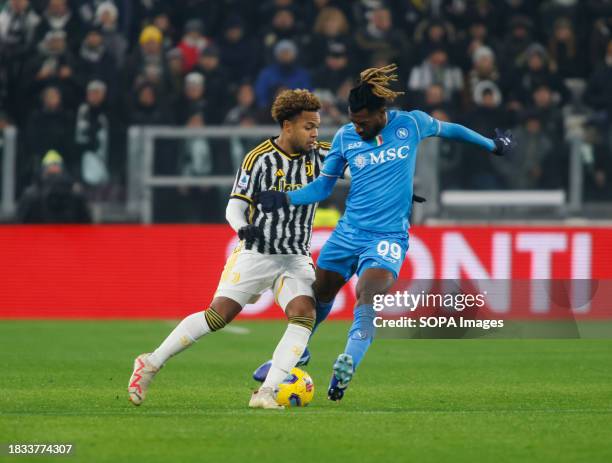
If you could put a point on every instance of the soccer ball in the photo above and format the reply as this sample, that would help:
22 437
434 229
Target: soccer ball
297 390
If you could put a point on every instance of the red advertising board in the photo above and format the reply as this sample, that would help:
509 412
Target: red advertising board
170 271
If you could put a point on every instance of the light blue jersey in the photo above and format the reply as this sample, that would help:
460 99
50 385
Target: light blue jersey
382 170
373 230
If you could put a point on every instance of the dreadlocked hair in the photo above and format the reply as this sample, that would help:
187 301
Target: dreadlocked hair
379 79
373 90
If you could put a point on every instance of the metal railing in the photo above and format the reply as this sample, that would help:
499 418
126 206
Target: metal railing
9 172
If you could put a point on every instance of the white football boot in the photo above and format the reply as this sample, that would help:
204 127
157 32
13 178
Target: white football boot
264 398
141 378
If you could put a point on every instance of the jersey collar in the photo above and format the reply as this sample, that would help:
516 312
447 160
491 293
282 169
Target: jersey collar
283 152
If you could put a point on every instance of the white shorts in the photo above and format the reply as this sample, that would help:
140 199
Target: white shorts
247 274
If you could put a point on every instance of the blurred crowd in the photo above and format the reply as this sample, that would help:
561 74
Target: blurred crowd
75 74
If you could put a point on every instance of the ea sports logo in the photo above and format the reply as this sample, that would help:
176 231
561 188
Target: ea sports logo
401 133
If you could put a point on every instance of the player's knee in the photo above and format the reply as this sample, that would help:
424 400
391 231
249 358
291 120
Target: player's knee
301 306
301 311
214 319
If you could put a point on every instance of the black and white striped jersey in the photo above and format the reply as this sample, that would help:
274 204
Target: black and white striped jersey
268 167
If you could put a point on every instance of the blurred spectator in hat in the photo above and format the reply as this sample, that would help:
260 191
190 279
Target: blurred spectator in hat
92 136
516 41
563 49
192 43
54 65
536 71
335 68
147 107
284 73
598 93
59 17
18 23
379 36
95 62
483 68
283 27
147 63
477 36
436 69
50 127
331 26
192 99
237 51
114 41
54 197
218 87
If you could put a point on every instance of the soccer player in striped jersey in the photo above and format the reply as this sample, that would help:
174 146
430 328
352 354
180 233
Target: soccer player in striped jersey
371 239
274 251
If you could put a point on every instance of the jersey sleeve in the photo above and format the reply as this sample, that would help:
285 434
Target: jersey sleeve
427 126
247 179
335 162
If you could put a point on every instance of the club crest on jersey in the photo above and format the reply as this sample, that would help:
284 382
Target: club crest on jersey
402 133
309 169
361 161
244 180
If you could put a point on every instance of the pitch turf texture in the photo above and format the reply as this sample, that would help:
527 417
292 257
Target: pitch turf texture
413 400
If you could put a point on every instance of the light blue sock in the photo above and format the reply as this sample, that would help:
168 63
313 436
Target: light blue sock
361 334
322 309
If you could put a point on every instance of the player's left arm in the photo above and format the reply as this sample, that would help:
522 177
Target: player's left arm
314 192
500 145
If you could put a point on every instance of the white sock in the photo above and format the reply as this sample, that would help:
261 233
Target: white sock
287 353
188 331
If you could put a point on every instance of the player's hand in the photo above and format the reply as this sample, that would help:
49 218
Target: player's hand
504 142
249 233
271 200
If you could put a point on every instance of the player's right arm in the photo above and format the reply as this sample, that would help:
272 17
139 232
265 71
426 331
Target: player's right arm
246 186
317 191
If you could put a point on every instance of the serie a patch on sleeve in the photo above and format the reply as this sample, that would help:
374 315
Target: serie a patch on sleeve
244 180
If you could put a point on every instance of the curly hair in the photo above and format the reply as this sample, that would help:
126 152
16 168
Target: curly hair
290 103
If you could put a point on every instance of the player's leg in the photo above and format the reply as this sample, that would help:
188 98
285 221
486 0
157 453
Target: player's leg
327 285
337 263
378 269
244 277
294 294
222 310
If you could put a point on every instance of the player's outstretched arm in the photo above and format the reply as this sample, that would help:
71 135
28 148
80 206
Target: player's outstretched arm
317 191
501 145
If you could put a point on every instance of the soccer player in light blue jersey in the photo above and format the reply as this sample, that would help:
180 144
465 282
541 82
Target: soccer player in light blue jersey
380 146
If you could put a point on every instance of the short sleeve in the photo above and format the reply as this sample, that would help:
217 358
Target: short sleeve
247 178
335 162
427 126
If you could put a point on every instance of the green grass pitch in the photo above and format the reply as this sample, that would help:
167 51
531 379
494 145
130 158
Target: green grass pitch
412 400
